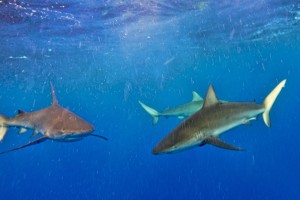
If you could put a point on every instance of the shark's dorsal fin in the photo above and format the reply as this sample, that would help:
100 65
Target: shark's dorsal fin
211 97
54 100
196 97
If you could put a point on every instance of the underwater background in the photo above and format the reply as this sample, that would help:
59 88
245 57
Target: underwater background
104 56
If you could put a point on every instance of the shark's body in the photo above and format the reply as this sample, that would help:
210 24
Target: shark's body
180 111
215 117
53 122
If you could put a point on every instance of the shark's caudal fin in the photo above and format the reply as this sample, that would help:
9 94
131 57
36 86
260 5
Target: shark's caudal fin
3 127
151 111
37 141
269 101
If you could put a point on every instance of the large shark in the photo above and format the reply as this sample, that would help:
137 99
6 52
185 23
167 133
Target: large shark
181 111
53 122
215 117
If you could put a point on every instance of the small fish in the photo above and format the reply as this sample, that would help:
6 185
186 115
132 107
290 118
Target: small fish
215 117
53 122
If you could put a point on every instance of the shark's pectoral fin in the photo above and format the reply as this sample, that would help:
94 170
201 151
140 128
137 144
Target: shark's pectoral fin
99 136
221 144
37 141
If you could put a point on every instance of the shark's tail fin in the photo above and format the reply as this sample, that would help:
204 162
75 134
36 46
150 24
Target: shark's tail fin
3 127
151 111
269 100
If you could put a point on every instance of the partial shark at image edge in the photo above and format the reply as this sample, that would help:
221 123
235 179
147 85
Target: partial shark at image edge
53 122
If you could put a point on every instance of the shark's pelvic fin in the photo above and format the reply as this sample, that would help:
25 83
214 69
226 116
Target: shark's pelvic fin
54 99
37 141
196 97
269 101
247 122
221 144
150 111
211 98
3 127
21 112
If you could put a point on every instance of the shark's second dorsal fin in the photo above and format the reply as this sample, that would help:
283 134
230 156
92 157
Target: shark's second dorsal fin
211 97
54 100
196 97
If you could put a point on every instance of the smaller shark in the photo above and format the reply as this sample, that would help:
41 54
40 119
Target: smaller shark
181 111
215 117
53 122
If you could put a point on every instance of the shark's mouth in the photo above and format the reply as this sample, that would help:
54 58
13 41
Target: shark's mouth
71 136
159 149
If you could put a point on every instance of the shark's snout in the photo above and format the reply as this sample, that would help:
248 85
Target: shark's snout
155 151
159 149
88 129
91 128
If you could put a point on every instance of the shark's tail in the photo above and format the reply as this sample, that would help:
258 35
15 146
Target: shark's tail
3 127
151 111
269 100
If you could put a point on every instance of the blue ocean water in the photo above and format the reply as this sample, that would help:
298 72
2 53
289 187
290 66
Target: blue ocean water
104 56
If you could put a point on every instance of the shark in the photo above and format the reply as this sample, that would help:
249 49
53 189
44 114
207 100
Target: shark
214 118
53 122
180 111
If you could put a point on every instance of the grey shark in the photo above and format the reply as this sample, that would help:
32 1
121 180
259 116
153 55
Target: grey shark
181 111
53 122
215 117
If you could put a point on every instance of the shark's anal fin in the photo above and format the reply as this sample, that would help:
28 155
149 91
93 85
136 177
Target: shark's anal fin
37 141
221 144
35 132
248 121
